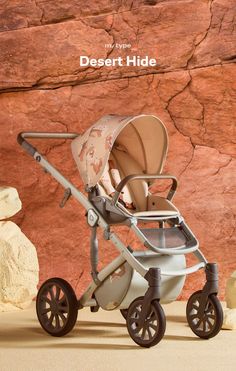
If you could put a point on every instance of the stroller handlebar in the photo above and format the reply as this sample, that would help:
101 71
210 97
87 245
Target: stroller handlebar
40 135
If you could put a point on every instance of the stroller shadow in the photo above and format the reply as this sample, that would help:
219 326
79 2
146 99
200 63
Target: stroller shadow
99 324
96 346
33 337
181 338
176 319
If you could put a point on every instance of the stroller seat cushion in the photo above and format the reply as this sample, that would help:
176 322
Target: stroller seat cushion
160 203
163 207
166 209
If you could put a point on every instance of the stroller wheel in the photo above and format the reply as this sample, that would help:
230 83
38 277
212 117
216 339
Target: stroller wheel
154 327
209 324
57 307
124 312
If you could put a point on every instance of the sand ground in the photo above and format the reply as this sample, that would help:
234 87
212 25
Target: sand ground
100 341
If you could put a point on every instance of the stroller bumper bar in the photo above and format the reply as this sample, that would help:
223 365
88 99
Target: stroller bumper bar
129 178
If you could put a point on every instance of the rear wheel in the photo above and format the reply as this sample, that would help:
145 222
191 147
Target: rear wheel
210 322
56 307
153 329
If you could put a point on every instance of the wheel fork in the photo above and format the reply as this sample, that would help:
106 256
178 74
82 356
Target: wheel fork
210 287
153 276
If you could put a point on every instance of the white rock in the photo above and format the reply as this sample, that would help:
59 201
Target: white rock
18 268
229 319
233 275
230 291
10 202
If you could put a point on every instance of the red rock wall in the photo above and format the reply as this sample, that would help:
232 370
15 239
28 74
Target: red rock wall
193 90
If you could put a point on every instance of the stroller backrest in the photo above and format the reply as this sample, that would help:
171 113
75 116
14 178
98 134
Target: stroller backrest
136 190
136 144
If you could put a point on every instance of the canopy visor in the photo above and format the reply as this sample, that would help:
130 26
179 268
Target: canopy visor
144 138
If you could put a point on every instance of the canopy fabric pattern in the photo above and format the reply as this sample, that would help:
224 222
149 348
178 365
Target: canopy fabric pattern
143 138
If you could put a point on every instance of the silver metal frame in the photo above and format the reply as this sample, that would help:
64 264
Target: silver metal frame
125 254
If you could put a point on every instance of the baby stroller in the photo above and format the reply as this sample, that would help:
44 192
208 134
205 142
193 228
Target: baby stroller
138 280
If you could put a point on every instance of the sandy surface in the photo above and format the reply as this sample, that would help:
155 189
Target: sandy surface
100 342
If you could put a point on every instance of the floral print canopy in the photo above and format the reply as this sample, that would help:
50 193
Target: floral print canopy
143 137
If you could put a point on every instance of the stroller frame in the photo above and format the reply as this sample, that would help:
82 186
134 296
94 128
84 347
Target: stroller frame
151 274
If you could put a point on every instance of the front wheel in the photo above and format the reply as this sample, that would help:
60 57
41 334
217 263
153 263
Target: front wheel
56 307
210 322
153 329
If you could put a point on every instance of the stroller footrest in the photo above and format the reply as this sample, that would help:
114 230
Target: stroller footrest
169 241
165 237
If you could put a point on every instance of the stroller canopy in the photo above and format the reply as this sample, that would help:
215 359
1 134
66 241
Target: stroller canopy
143 138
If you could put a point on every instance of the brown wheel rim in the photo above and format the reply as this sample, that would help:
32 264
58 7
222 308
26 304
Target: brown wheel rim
205 323
53 307
148 331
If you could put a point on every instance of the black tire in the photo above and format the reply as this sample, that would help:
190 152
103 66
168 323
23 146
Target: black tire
209 324
57 307
124 312
155 323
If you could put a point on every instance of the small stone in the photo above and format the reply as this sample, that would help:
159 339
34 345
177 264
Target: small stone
230 291
229 319
10 202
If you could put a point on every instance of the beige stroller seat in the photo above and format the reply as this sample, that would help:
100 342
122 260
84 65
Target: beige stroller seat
136 147
145 204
